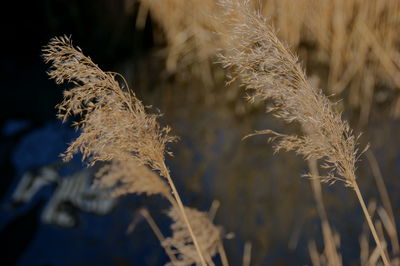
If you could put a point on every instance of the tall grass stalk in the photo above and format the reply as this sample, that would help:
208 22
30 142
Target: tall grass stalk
331 253
370 224
270 71
182 209
116 128
383 194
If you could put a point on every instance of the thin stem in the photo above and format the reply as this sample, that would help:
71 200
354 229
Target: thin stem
380 183
213 209
211 214
222 253
182 209
385 198
370 224
247 254
326 229
145 213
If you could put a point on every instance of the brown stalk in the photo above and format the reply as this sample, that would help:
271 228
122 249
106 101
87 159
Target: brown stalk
380 183
182 209
224 258
272 72
314 255
247 254
391 229
115 124
145 213
370 224
330 246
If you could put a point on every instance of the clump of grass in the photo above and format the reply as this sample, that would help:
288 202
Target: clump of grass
272 72
207 235
117 128
355 40
189 32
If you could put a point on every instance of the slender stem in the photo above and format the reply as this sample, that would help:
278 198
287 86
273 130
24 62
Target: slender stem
182 209
145 213
385 199
222 253
211 214
380 183
330 245
213 209
370 224
247 254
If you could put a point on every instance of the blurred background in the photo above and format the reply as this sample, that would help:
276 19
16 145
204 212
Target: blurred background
49 213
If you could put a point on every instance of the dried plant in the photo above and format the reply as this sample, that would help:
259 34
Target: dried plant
267 68
116 128
130 177
289 17
190 33
330 255
180 242
355 39
326 257
126 177
359 39
114 123
271 72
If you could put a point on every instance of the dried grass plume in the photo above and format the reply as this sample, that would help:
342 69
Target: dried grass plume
181 243
116 128
114 123
271 72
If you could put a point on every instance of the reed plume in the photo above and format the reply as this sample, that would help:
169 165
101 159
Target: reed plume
270 71
126 177
113 122
267 68
116 128
205 231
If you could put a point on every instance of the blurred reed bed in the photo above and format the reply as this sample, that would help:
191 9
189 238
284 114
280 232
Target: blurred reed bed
352 46
357 40
190 32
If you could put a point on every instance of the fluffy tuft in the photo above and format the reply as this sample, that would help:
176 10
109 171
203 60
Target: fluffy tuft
114 123
269 71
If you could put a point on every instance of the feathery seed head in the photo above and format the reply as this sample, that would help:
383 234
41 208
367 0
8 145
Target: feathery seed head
114 123
129 176
207 234
270 71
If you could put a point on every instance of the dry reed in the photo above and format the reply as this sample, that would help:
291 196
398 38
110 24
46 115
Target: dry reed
126 177
116 128
205 231
190 34
331 255
270 71
356 39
